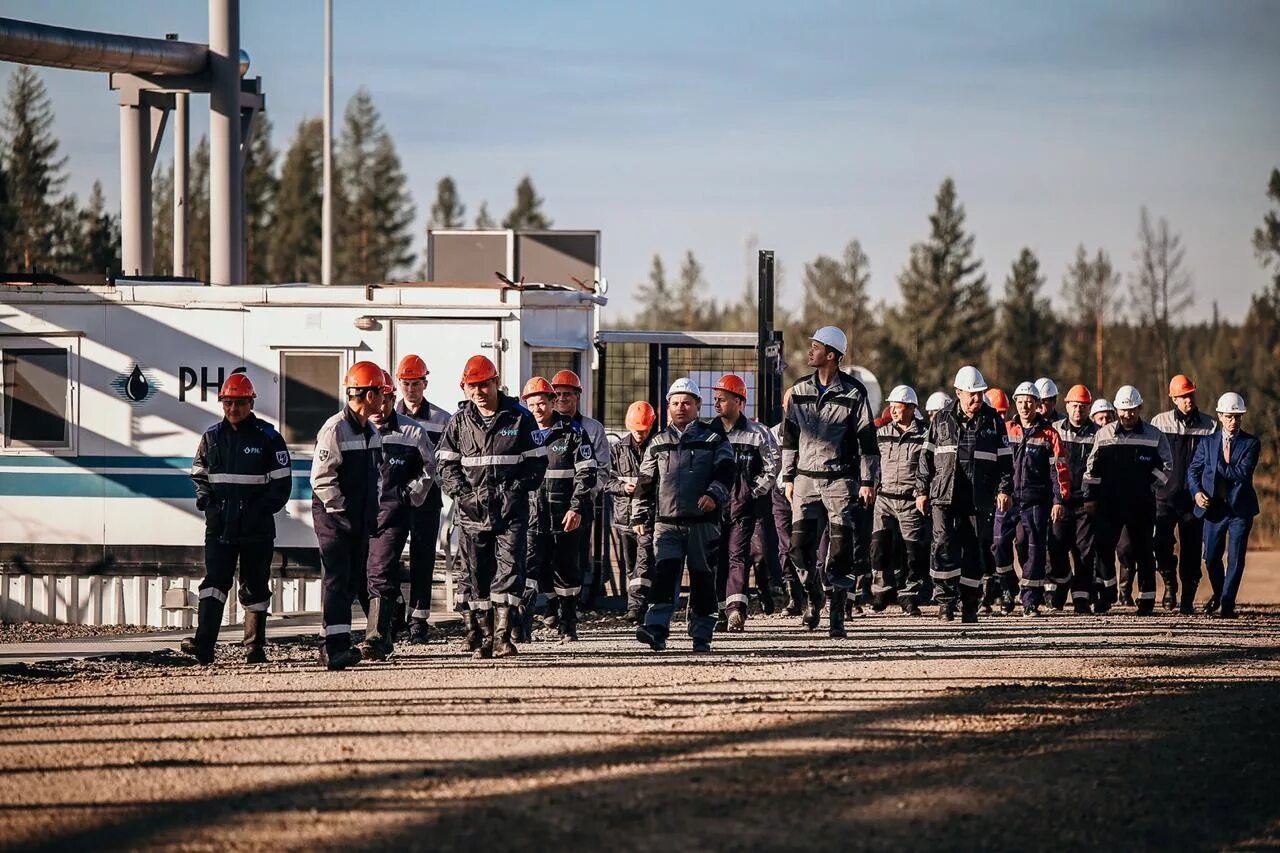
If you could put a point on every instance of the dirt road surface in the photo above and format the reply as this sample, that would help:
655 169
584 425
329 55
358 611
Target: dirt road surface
1061 733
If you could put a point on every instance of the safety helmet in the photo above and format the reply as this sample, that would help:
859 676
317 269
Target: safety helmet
1045 388
1231 403
1027 389
732 383
684 385
237 387
1102 404
937 401
388 384
998 400
903 394
567 378
1079 394
363 374
1181 386
478 369
832 337
411 367
969 378
535 386
1127 398
640 415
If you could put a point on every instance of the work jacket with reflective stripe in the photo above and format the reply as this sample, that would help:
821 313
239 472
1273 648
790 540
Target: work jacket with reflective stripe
570 477
678 469
1126 465
626 457
595 433
1077 441
1184 433
974 452
344 470
1040 472
243 477
489 471
756 460
899 458
405 470
433 420
830 434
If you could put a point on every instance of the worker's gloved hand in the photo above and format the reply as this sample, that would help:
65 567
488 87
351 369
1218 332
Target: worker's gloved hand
202 502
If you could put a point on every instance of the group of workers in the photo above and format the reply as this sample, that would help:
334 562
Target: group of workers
845 509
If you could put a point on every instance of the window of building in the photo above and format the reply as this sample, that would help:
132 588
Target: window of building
310 393
37 392
547 363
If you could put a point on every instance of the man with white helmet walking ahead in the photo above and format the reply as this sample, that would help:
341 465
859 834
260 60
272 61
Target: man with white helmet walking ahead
830 464
1129 460
896 521
1221 478
965 474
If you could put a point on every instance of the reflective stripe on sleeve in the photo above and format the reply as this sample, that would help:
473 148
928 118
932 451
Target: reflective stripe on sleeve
240 479
481 461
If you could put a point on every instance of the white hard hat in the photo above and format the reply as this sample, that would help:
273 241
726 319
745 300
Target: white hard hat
1029 389
1102 404
684 385
1128 398
937 401
969 378
832 337
1045 386
903 394
1231 403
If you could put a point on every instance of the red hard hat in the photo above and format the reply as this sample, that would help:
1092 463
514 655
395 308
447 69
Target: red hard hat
237 387
640 415
998 400
478 369
1181 386
1079 394
568 378
363 374
411 367
388 384
732 383
535 386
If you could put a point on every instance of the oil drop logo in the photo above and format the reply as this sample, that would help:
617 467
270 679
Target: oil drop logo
136 385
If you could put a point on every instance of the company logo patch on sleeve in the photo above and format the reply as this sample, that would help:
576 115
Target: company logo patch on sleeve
282 458
585 451
323 456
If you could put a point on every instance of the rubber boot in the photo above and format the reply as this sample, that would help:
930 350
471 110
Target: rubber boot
765 591
201 646
1007 603
471 639
812 613
551 619
1169 601
419 632
909 606
795 598
502 645
377 645
990 594
255 636
569 619
485 649
335 660
838 599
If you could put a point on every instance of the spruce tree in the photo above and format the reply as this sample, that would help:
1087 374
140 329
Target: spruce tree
527 215
1028 334
1161 287
98 240
654 298
1091 291
260 188
198 212
295 255
7 219
34 171
688 309
483 218
835 294
1266 238
162 222
447 211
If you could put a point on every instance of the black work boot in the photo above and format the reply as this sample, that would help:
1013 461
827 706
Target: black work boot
969 612
337 659
737 619
1170 598
836 614
551 619
812 613
765 591
471 638
569 619
377 643
1007 604
201 646
653 636
795 598
502 645
419 632
947 611
635 614
255 636
485 649
909 606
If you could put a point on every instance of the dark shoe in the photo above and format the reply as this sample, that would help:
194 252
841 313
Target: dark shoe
766 599
485 650
202 653
1186 608
209 620
1170 599
702 645
1224 613
795 599
737 622
1007 603
255 636
854 608
1146 607
1102 607
1031 611
471 638
812 614
969 615
987 610
1082 608
947 611
722 621
653 636
910 608
1211 606
569 619
343 659
551 620
1126 598
836 628
399 619
502 645
419 632
635 615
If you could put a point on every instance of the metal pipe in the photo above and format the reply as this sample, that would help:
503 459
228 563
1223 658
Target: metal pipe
224 141
181 154
84 50
326 216
135 136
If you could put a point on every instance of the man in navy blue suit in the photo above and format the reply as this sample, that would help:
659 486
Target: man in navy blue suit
1221 478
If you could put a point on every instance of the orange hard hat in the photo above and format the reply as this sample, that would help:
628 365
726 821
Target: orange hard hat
640 415
732 383
388 384
411 367
568 378
1181 386
478 369
237 387
998 400
363 374
1079 394
535 386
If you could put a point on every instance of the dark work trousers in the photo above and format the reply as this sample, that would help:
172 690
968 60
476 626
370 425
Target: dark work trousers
1124 555
255 572
733 569
559 569
1138 520
899 550
636 554
961 554
673 546
1230 534
462 572
343 557
1008 538
588 582
1034 521
829 506
496 564
424 529
782 528
1183 568
385 548
1073 559
764 545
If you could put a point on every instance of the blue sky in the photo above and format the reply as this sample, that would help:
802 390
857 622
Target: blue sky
674 126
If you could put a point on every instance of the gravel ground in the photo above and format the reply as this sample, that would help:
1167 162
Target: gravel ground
1061 733
40 632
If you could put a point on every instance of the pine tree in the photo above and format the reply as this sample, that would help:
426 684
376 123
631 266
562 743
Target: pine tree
448 211
835 294
688 310
98 240
1266 239
1161 288
945 319
654 298
7 219
483 218
1028 336
198 212
299 228
527 215
162 222
260 188
35 172
1091 290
